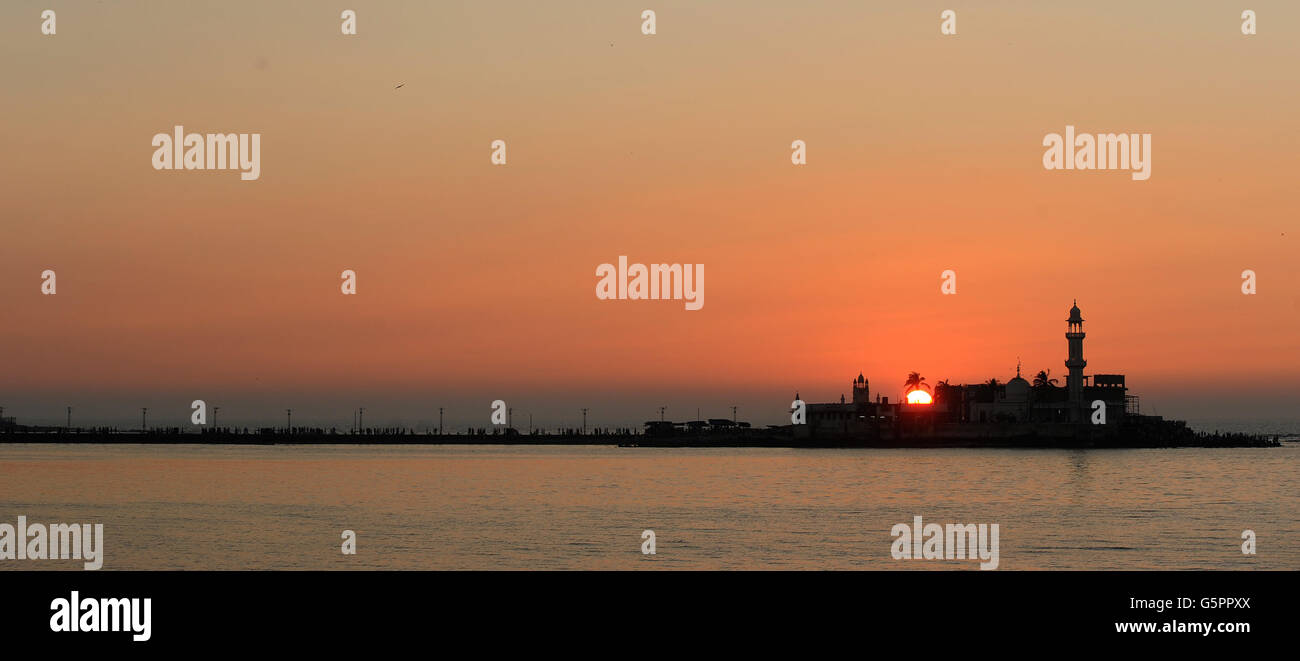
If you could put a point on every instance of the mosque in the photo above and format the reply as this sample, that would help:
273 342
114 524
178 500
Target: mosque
1016 406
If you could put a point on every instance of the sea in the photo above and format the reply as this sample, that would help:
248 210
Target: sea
590 507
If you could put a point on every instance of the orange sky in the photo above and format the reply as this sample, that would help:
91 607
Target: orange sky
477 282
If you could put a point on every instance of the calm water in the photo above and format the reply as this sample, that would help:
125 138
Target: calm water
168 507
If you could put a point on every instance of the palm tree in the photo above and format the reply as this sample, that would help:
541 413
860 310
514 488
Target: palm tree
942 390
988 391
915 382
1043 379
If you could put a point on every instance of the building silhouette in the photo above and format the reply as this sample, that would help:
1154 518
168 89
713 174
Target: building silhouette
962 409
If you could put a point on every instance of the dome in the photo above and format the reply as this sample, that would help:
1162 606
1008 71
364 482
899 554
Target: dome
1075 315
1017 389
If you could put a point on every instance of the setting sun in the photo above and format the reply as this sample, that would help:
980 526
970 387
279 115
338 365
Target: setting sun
918 397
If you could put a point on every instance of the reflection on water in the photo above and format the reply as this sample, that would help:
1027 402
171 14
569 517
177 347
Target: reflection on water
171 507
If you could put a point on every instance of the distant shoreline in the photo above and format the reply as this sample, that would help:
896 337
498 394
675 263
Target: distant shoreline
755 439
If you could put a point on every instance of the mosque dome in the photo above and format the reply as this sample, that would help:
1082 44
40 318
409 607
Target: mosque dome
1017 389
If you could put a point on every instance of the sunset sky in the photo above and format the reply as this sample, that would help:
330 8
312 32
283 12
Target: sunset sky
476 282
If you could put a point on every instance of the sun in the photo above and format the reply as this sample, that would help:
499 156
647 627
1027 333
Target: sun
918 397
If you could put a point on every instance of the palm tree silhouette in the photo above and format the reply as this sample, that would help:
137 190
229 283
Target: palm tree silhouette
1043 379
915 382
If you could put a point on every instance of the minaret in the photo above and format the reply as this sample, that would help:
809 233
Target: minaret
1074 335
